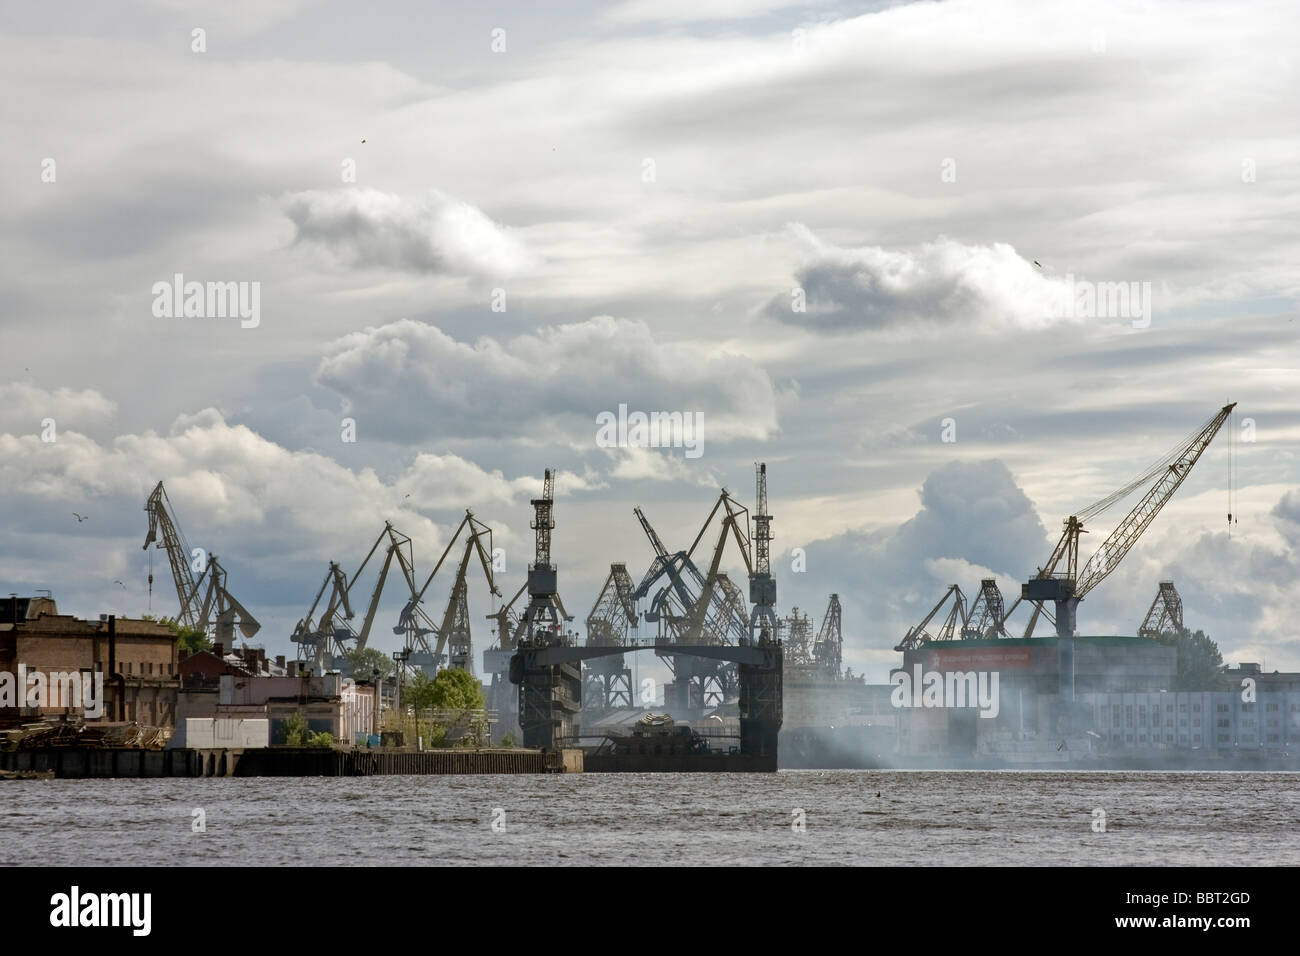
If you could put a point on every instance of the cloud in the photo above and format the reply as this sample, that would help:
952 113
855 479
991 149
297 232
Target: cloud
973 520
939 284
274 516
23 406
690 11
410 380
435 234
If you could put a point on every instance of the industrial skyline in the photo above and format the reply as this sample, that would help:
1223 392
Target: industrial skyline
822 248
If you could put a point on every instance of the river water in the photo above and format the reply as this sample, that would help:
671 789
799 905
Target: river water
859 817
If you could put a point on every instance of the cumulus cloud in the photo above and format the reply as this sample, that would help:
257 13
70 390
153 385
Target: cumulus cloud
410 380
23 406
274 516
937 284
434 234
974 521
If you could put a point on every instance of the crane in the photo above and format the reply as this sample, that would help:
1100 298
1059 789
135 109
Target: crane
762 586
918 635
205 602
1165 615
985 617
828 646
453 628
1066 587
607 682
331 635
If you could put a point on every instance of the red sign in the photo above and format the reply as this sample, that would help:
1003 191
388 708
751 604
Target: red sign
981 658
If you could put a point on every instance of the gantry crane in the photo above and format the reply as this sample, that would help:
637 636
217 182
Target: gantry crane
828 647
205 602
985 618
325 638
607 681
1165 617
452 632
918 635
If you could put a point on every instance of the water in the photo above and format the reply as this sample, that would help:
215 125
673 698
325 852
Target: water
857 817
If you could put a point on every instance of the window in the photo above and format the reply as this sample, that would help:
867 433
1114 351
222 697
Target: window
1270 707
1196 708
1224 722
1169 707
1182 721
1128 715
1221 708
1182 708
1169 738
1247 707
1223 738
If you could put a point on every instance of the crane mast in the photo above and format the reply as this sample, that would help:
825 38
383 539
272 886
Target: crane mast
216 612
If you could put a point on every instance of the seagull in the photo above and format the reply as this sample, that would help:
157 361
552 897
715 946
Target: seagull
119 582
80 518
363 141
405 496
1037 263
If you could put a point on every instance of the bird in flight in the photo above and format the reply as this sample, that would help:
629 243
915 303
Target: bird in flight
119 582
363 141
80 518
1037 263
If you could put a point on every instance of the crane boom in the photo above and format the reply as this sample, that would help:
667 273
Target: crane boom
1113 549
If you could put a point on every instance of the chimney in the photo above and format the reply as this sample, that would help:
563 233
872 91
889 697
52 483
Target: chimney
219 649
279 661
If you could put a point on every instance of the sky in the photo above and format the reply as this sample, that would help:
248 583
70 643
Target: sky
878 246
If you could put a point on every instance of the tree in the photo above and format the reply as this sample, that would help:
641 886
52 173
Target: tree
191 639
361 664
1199 662
451 689
293 729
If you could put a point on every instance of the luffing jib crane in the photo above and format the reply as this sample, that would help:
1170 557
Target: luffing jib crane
205 602
1165 616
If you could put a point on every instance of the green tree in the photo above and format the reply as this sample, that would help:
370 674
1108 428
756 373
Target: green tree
361 664
451 689
293 729
191 639
1200 665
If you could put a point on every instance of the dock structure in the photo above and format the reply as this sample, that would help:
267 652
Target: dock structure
85 763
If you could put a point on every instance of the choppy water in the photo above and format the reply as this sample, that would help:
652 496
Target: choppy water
852 817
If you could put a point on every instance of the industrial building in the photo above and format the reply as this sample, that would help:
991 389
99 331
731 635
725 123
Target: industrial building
137 658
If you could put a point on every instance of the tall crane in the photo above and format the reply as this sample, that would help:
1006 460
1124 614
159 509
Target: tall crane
986 615
453 629
205 602
1165 615
607 681
762 586
828 647
918 635
325 638
1062 582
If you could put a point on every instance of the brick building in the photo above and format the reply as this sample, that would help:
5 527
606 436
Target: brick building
137 658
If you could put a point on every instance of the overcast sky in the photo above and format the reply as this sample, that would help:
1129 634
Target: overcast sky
826 228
